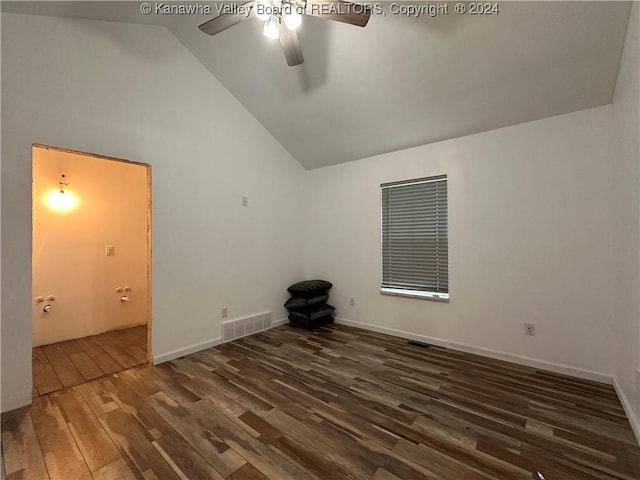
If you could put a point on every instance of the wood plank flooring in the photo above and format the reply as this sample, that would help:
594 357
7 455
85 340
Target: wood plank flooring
70 363
335 403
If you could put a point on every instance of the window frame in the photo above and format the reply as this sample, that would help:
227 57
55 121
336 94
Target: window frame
404 292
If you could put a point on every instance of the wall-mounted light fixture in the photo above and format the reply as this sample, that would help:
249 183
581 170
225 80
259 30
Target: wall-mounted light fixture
62 200
63 183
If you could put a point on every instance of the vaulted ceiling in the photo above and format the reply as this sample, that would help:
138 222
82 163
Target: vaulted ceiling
401 81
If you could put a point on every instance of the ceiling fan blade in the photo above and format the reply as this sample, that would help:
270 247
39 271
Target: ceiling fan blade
340 11
220 23
290 46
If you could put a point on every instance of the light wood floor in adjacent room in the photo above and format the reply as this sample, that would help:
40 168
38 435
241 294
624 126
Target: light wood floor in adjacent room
70 363
336 403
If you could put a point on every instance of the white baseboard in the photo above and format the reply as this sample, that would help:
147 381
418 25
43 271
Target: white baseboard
24 403
509 357
277 323
631 415
181 352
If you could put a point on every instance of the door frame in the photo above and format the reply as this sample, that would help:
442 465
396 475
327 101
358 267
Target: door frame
147 167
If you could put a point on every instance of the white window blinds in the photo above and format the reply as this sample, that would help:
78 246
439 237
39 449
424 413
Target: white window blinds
415 242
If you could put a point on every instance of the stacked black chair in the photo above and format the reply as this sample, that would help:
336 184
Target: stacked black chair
308 305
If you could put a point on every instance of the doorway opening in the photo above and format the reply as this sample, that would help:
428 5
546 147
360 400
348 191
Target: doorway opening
91 266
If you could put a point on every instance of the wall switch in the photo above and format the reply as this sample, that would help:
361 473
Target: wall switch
109 250
529 328
224 312
352 301
245 201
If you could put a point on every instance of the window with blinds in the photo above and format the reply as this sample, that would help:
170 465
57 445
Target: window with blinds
415 241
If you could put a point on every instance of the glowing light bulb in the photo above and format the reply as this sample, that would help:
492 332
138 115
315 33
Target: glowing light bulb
272 28
292 19
263 9
61 201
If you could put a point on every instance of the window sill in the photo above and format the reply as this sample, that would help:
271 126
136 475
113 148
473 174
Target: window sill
396 292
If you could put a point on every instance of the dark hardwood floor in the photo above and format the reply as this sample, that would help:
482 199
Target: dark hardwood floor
65 364
335 403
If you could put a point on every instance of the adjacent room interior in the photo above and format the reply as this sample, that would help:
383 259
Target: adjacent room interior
91 267
467 178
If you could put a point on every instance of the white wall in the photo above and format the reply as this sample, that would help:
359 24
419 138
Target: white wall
529 237
134 92
626 110
69 259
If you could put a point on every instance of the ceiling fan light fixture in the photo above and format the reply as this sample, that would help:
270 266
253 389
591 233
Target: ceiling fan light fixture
263 9
292 19
271 28
282 17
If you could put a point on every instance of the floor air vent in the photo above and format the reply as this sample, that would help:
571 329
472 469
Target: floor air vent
418 344
241 327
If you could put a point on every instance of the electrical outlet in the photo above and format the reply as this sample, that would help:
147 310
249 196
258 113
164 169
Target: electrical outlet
245 201
352 301
529 328
109 250
224 312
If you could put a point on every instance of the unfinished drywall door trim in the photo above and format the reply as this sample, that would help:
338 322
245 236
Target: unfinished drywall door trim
148 228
